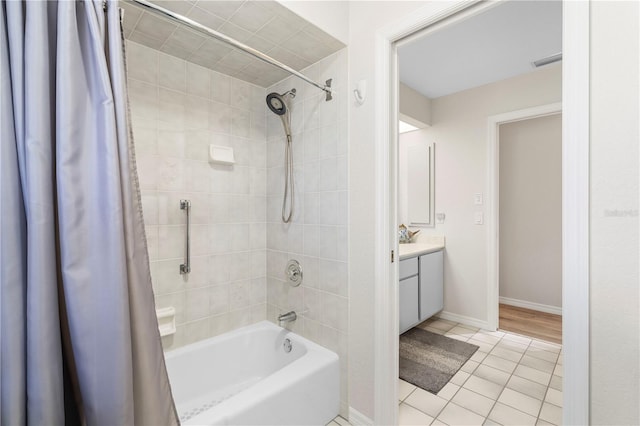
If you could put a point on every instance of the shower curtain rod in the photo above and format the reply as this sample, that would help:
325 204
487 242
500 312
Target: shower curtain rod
159 10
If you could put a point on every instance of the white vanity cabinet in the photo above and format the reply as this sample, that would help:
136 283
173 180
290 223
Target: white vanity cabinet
421 288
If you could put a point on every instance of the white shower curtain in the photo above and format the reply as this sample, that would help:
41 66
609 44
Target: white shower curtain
78 335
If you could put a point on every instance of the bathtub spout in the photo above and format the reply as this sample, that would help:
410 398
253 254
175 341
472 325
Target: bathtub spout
288 317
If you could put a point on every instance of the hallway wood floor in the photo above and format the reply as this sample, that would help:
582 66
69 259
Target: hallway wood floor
531 323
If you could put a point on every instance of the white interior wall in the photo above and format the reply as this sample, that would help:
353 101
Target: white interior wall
530 212
365 18
459 130
317 235
414 107
615 293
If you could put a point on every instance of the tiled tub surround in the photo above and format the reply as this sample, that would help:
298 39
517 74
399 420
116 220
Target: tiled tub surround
178 109
317 235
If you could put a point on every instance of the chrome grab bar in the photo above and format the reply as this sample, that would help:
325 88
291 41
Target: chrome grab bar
185 268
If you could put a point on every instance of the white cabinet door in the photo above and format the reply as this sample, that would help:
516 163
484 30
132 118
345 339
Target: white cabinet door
431 284
408 303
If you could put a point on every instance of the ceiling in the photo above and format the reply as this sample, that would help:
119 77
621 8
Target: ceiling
492 46
264 25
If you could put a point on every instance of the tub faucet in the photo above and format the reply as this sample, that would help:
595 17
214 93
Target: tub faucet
288 317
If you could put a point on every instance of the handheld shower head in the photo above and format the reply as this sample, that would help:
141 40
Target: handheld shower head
278 105
276 102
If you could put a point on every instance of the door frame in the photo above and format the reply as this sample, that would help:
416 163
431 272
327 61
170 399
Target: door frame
493 195
575 202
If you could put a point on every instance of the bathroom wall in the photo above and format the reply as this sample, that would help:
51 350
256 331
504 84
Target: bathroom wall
459 129
365 19
614 202
531 213
317 236
178 109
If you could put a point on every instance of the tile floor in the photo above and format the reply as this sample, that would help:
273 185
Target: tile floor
510 380
339 421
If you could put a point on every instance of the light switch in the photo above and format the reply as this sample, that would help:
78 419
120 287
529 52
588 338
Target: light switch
477 198
440 218
478 218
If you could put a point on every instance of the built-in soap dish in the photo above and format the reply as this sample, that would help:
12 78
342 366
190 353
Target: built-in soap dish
166 321
221 155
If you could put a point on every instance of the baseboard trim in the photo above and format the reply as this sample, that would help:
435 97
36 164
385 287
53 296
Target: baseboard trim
464 320
531 305
356 418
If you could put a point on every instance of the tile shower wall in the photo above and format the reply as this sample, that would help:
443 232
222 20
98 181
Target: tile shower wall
178 109
317 235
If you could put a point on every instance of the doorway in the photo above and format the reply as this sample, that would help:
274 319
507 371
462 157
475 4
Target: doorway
530 227
575 181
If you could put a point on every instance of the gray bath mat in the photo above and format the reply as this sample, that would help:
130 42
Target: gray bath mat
429 360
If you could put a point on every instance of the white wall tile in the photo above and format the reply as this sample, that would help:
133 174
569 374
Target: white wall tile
178 110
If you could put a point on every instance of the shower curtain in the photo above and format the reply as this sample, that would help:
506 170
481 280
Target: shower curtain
79 341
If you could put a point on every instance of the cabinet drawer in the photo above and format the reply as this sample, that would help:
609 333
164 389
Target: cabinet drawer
408 267
409 314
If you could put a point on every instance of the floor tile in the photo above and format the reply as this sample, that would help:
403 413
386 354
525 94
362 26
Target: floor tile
459 337
473 401
532 374
520 402
547 346
341 421
556 382
512 345
438 422
541 422
455 415
478 356
448 391
441 324
484 346
460 377
404 389
518 339
492 374
469 366
489 422
500 363
506 415
558 370
507 354
483 337
407 415
426 402
527 387
483 387
537 363
434 330
493 333
561 359
463 331
542 354
554 397
551 413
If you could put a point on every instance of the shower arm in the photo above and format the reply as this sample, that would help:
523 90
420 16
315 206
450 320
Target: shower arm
159 10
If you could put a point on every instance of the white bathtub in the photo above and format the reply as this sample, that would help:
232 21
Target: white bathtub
245 377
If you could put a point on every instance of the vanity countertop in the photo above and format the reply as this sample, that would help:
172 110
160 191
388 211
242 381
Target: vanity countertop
417 249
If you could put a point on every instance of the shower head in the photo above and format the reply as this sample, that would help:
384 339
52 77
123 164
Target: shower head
277 103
